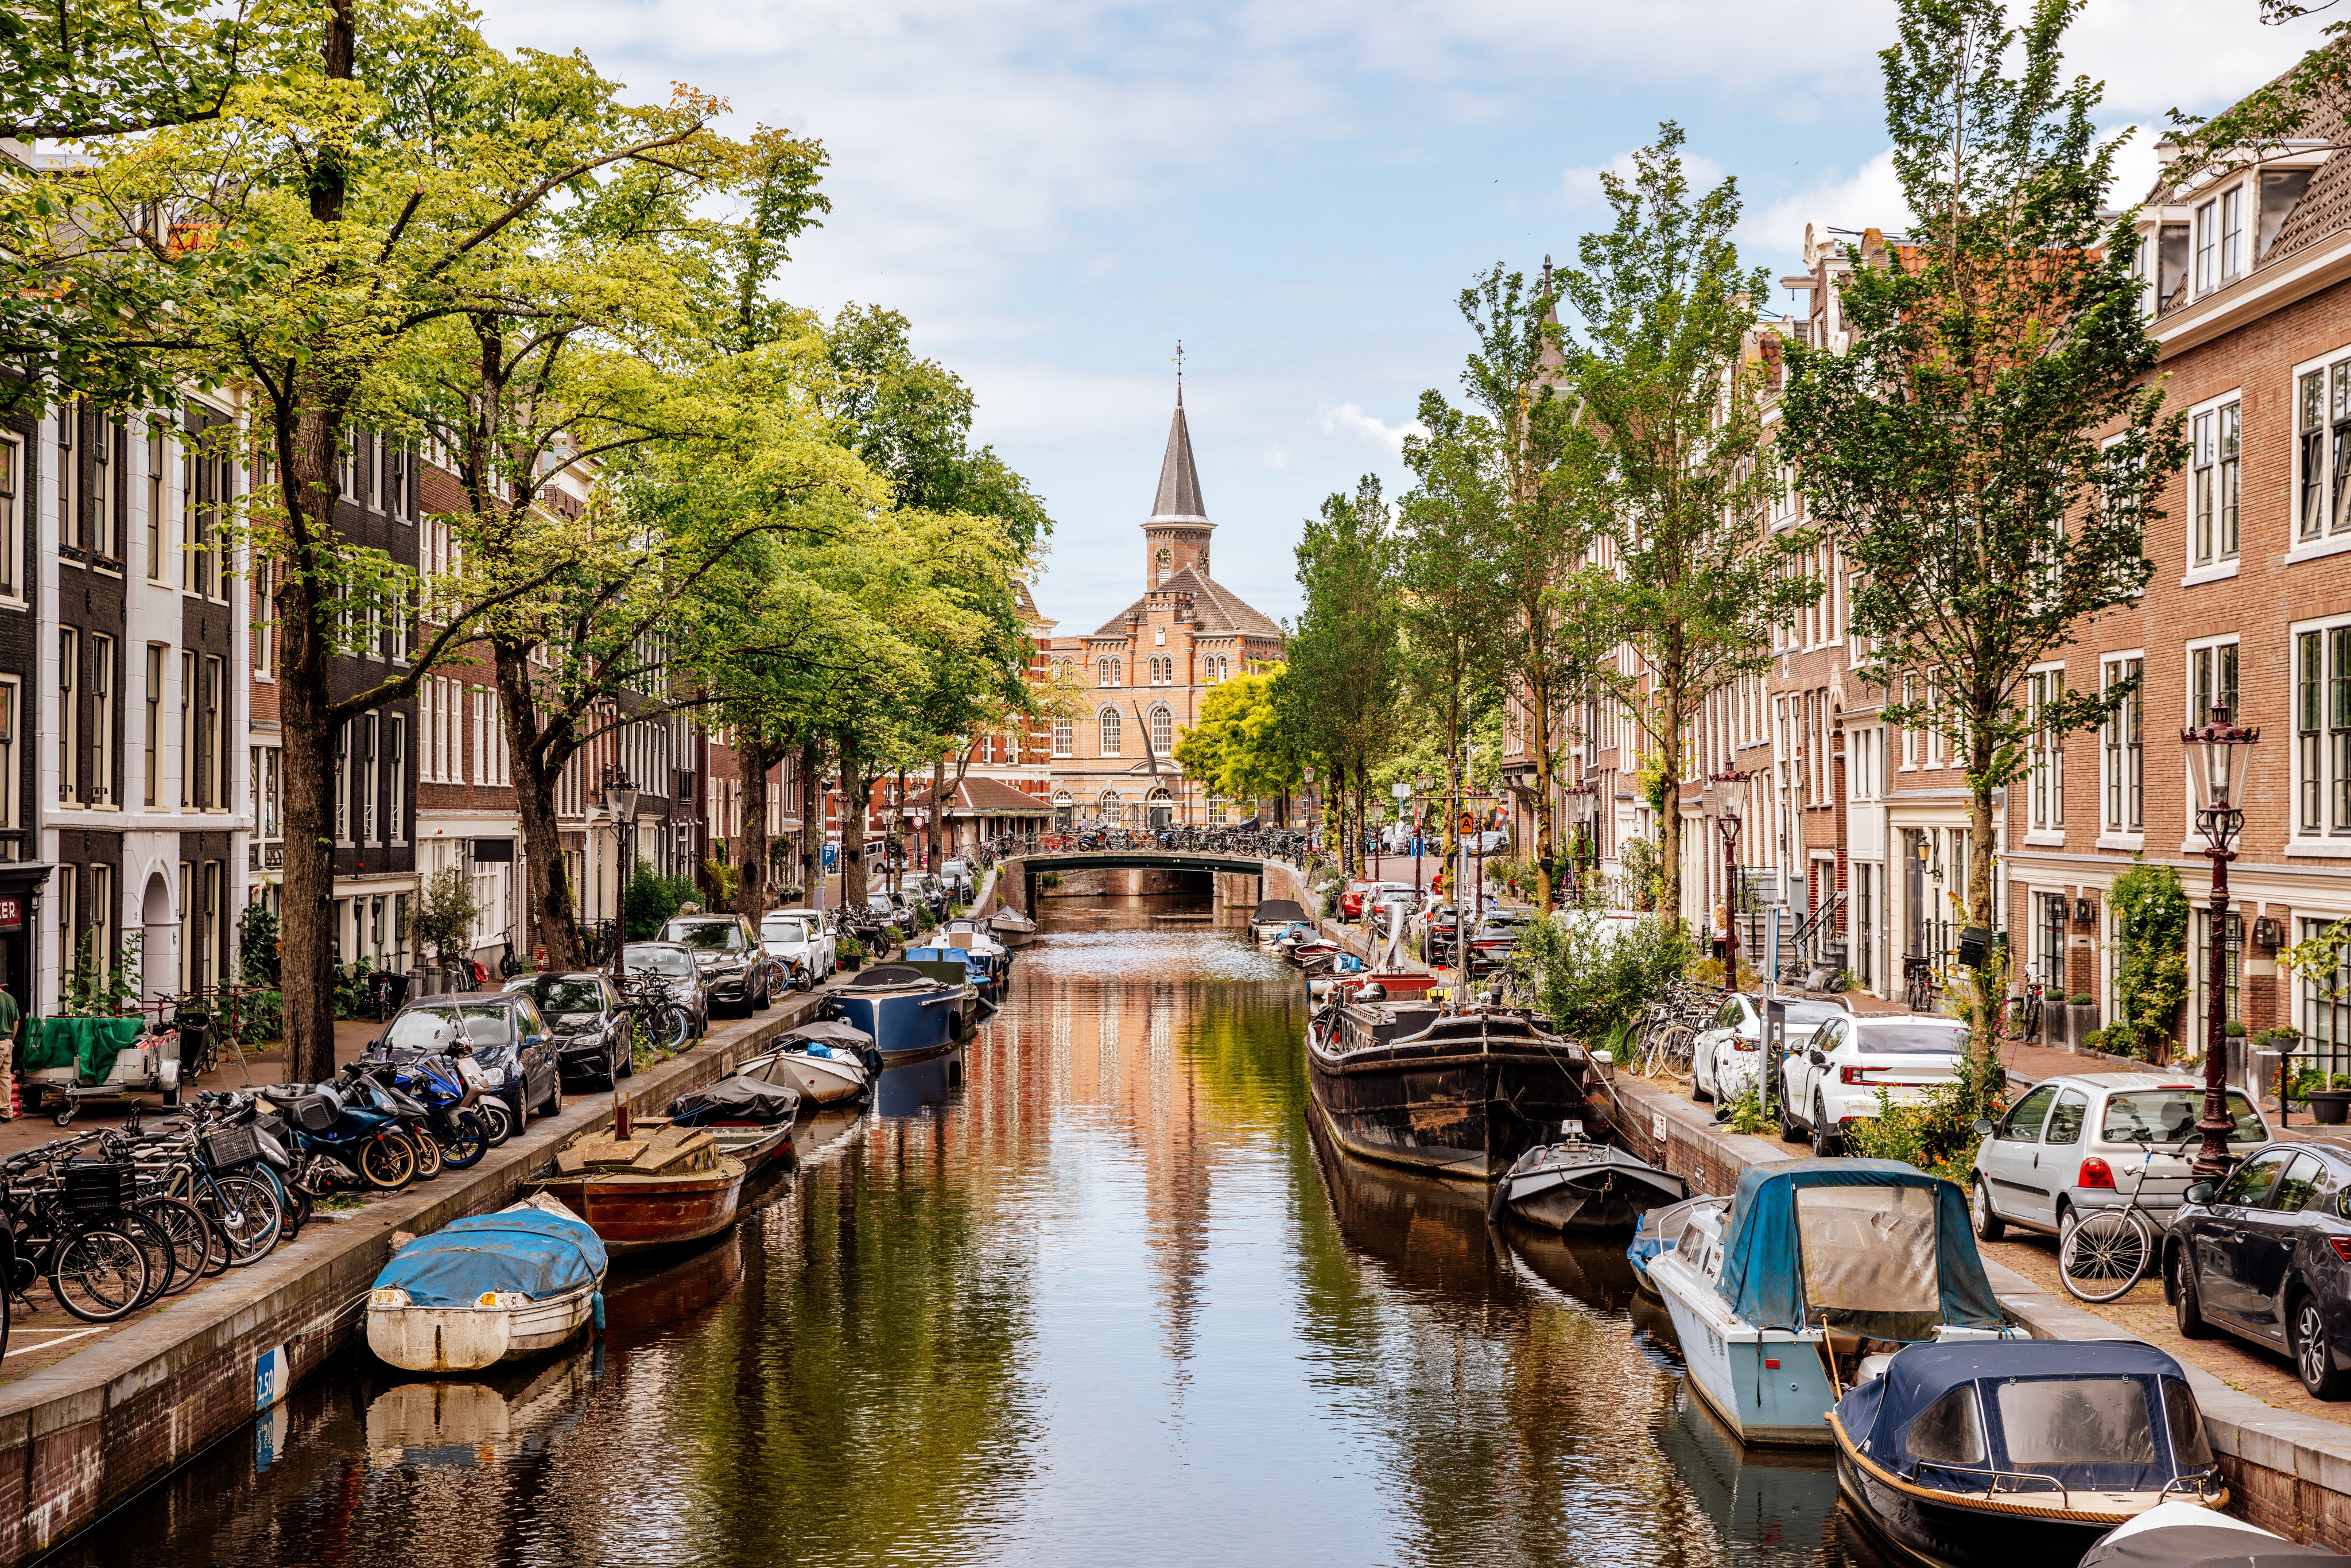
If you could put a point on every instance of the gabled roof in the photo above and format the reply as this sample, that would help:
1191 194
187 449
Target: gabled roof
986 797
1219 610
1178 499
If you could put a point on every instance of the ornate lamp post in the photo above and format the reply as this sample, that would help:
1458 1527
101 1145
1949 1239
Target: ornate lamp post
2219 780
1725 793
1421 785
1584 808
621 803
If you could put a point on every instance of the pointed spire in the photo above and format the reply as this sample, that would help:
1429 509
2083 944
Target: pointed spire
1554 360
1179 482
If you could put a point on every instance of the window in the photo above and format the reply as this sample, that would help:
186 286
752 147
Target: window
2045 753
370 778
68 716
2232 234
2201 957
2322 722
2212 679
216 735
1114 808
101 919
12 475
8 816
265 619
1947 1432
1110 732
105 488
1065 738
2323 452
69 520
2125 750
101 720
1163 731
158 491
2142 269
396 759
343 782
2208 247
2213 486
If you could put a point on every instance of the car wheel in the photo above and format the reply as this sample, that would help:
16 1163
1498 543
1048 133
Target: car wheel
2312 1349
2186 1304
1989 1226
1791 1130
1826 1143
2066 1222
1698 1091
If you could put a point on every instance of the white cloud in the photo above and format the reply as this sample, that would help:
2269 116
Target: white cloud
1348 419
1276 458
1868 197
1581 187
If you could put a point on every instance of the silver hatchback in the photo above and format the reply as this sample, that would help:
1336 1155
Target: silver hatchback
2089 1141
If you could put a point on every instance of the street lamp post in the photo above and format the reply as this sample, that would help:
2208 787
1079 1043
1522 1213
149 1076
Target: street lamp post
1584 804
1419 832
621 802
1722 798
2219 780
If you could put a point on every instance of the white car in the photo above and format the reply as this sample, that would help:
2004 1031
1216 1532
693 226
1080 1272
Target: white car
2086 1141
1727 1056
803 934
956 874
1850 1061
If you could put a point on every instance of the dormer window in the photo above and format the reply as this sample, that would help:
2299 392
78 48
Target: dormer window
2220 240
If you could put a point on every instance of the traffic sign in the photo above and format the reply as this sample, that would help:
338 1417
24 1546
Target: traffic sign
1468 822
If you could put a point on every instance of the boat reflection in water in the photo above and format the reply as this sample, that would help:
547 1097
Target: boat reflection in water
918 1086
479 1421
1772 1508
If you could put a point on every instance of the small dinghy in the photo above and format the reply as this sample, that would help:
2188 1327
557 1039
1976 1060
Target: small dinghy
827 1060
486 1289
1272 917
1579 1187
1012 928
751 1117
671 1188
2021 1451
2175 1534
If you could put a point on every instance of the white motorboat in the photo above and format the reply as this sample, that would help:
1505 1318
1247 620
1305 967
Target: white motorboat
1272 917
487 1288
828 1061
1012 928
1813 1267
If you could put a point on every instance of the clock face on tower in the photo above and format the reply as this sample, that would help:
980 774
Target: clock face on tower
1165 556
1204 562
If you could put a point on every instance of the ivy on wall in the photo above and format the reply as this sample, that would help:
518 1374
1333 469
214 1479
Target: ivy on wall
2150 957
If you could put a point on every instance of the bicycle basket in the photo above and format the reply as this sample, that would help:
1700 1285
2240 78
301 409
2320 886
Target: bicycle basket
100 1186
231 1147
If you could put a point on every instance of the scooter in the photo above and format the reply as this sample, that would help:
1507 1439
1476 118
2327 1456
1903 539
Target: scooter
337 1145
437 1084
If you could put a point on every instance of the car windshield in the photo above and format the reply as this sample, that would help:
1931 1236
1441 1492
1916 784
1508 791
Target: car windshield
489 1025
659 961
784 931
710 935
426 1030
568 998
2168 1114
1910 1040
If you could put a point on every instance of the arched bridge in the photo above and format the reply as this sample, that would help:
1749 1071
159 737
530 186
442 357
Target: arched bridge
1020 871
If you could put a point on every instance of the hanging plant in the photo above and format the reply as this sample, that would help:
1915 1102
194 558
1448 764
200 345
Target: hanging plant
2150 957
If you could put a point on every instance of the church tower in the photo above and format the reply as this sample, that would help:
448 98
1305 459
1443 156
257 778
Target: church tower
1176 537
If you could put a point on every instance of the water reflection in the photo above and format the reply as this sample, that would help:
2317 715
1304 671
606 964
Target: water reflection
1089 1291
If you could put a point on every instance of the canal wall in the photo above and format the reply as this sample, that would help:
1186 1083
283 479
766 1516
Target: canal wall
82 1437
2289 1472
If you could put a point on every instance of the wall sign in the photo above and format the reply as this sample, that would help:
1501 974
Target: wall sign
12 912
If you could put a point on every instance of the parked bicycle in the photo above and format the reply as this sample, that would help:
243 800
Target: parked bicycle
2110 1250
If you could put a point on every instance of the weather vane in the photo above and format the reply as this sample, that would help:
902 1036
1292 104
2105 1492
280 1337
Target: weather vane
1179 369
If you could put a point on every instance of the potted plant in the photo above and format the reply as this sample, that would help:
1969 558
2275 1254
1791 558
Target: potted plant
2329 1097
2077 1019
851 954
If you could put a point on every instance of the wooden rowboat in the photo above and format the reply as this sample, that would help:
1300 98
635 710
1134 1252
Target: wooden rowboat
667 1190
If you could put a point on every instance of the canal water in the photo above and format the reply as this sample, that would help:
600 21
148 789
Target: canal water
1093 1295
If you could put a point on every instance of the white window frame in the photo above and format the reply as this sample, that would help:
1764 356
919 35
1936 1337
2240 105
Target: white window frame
1109 731
2121 738
69 764
2044 777
2215 477
2190 655
12 518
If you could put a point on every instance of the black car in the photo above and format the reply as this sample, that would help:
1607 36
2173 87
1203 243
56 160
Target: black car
673 962
506 1035
591 1032
736 969
2265 1253
1437 935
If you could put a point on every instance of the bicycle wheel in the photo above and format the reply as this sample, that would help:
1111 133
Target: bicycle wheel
193 1244
425 1152
245 1208
163 1262
670 1025
2101 1257
387 1163
99 1275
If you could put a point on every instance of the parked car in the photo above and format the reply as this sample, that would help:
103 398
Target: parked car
2266 1255
674 963
591 1034
820 948
890 909
955 873
1492 842
735 963
2081 1141
1360 896
1836 1080
1494 937
503 1031
1727 1056
1436 929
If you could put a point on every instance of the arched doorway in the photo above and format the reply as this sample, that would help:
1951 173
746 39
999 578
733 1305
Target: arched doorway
159 943
1162 807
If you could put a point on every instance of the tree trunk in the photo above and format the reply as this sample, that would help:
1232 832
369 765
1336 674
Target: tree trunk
1539 737
538 762
935 835
1669 825
752 760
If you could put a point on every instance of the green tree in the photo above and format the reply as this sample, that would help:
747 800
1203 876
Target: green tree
1990 450
1341 686
1671 471
1242 748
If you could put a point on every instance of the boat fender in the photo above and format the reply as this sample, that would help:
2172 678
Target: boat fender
1495 1206
596 1310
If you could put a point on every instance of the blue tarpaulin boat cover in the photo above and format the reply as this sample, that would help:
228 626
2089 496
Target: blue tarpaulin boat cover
526 1250
1765 1273
2088 1413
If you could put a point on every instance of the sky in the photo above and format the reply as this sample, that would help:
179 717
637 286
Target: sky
1057 192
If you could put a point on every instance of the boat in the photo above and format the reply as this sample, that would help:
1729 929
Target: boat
1460 1091
1585 1189
973 937
2021 1451
1012 928
751 1117
2178 1534
1272 917
670 1188
906 1012
1662 1230
827 1060
950 967
486 1289
1813 1266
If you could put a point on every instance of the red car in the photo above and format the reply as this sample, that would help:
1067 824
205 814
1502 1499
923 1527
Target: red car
1351 897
